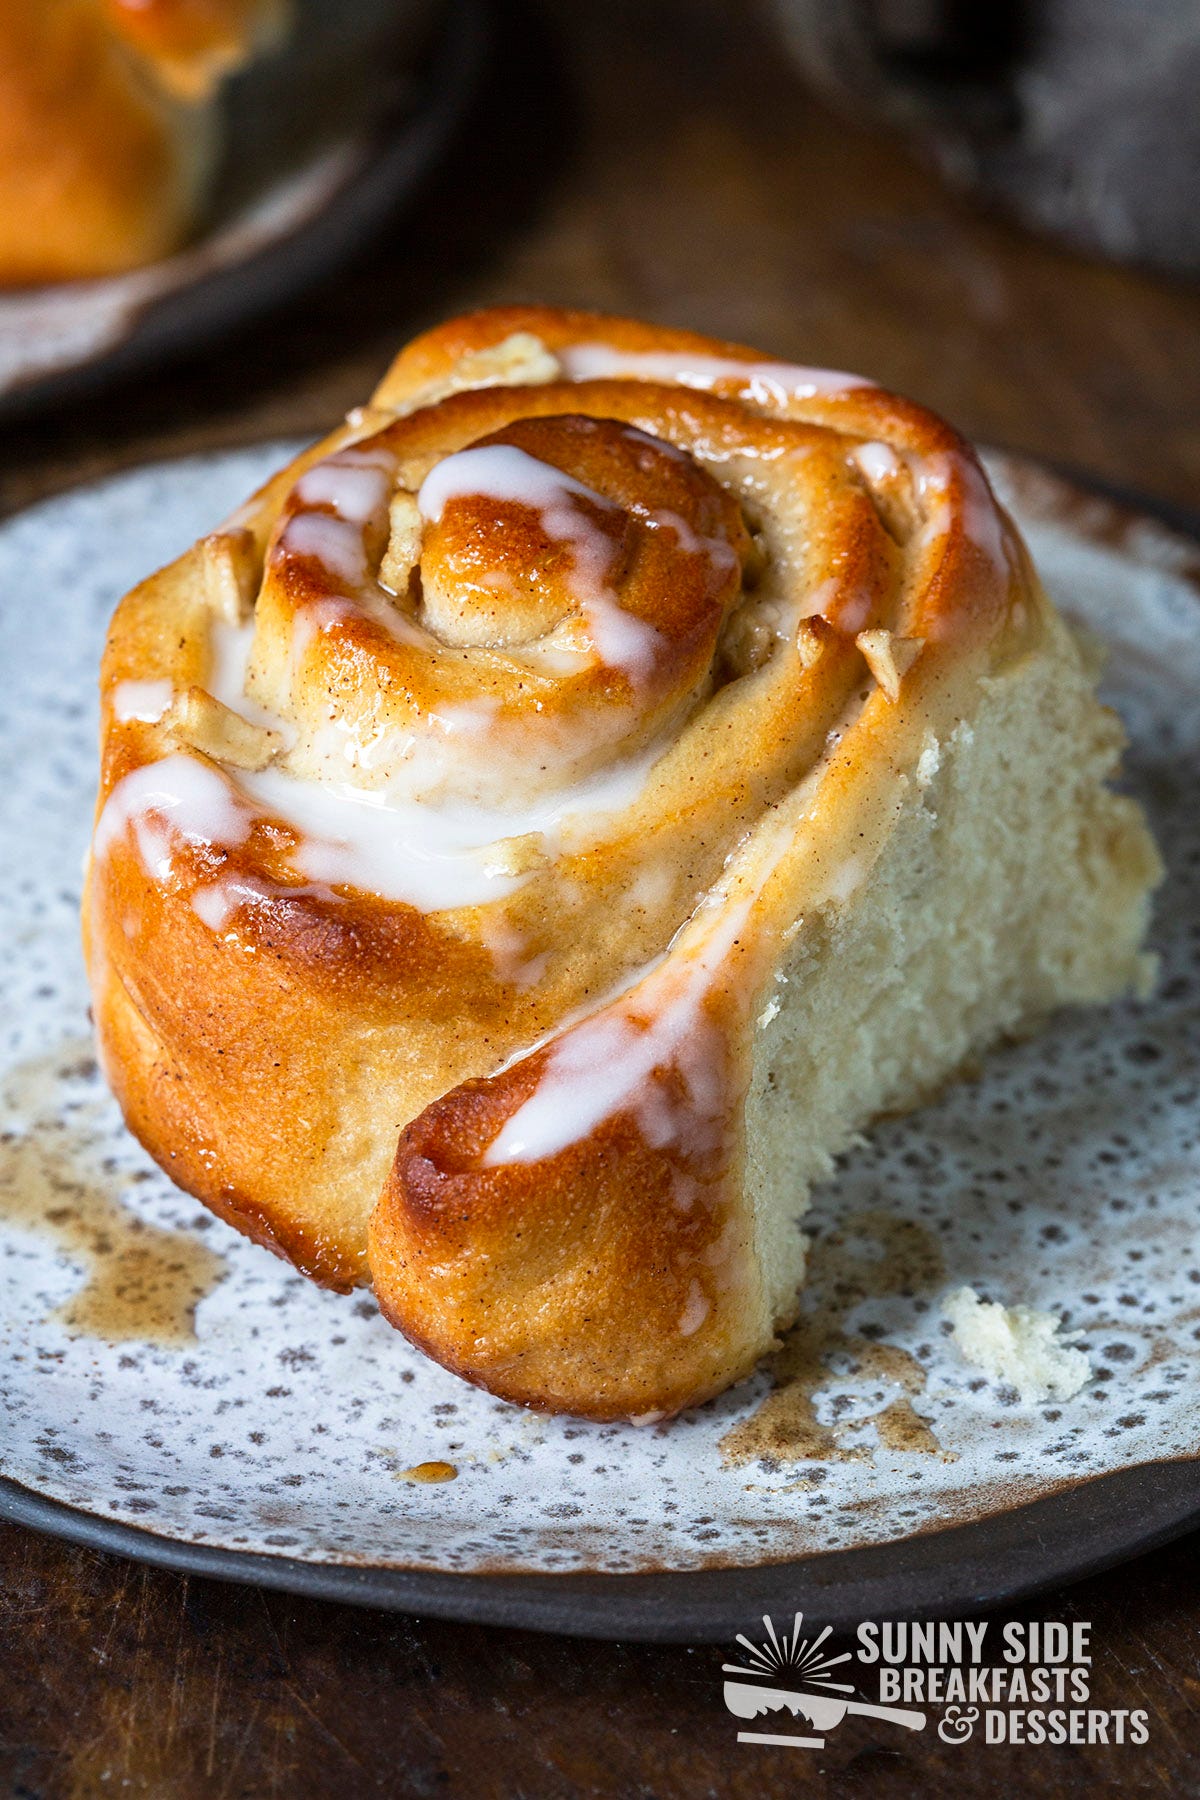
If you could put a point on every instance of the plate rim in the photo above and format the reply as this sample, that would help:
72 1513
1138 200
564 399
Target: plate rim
1080 1528
950 1571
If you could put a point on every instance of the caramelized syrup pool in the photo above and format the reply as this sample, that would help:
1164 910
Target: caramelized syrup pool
141 1281
429 1472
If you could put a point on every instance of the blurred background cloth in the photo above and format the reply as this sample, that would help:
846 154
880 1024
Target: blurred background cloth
1081 117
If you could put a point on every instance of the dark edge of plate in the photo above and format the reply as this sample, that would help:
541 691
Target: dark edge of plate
404 151
952 1571
1174 514
958 1571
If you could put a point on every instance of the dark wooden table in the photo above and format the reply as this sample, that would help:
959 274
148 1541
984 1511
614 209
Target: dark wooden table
652 156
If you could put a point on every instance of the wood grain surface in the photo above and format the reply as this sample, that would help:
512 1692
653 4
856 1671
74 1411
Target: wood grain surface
656 157
126 1680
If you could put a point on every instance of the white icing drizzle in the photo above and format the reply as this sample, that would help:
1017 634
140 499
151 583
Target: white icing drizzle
431 857
818 599
216 902
178 801
229 648
606 1063
146 701
507 947
350 837
502 472
356 483
337 544
878 462
721 555
468 718
181 798
309 621
766 383
977 511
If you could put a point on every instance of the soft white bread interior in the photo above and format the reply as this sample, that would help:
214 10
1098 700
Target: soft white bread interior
1014 882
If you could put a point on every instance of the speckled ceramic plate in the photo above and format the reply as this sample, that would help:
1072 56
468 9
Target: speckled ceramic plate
171 1391
285 218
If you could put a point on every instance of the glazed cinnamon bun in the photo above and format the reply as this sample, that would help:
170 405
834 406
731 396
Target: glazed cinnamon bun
561 810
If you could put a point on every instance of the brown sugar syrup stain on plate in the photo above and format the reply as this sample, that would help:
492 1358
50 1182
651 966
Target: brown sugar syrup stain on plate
872 1255
142 1282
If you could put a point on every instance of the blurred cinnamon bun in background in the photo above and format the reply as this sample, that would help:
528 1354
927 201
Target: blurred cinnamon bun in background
109 125
130 127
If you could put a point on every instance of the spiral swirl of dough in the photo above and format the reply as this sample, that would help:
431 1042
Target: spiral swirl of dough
499 612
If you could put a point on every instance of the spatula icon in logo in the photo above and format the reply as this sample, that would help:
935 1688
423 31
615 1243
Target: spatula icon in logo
802 1659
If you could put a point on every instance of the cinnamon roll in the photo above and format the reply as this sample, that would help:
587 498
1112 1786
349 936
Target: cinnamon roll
561 810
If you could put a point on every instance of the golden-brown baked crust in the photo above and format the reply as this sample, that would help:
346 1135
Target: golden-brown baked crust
585 1316
558 549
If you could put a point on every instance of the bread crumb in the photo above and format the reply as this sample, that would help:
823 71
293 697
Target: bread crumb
1017 1345
929 761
